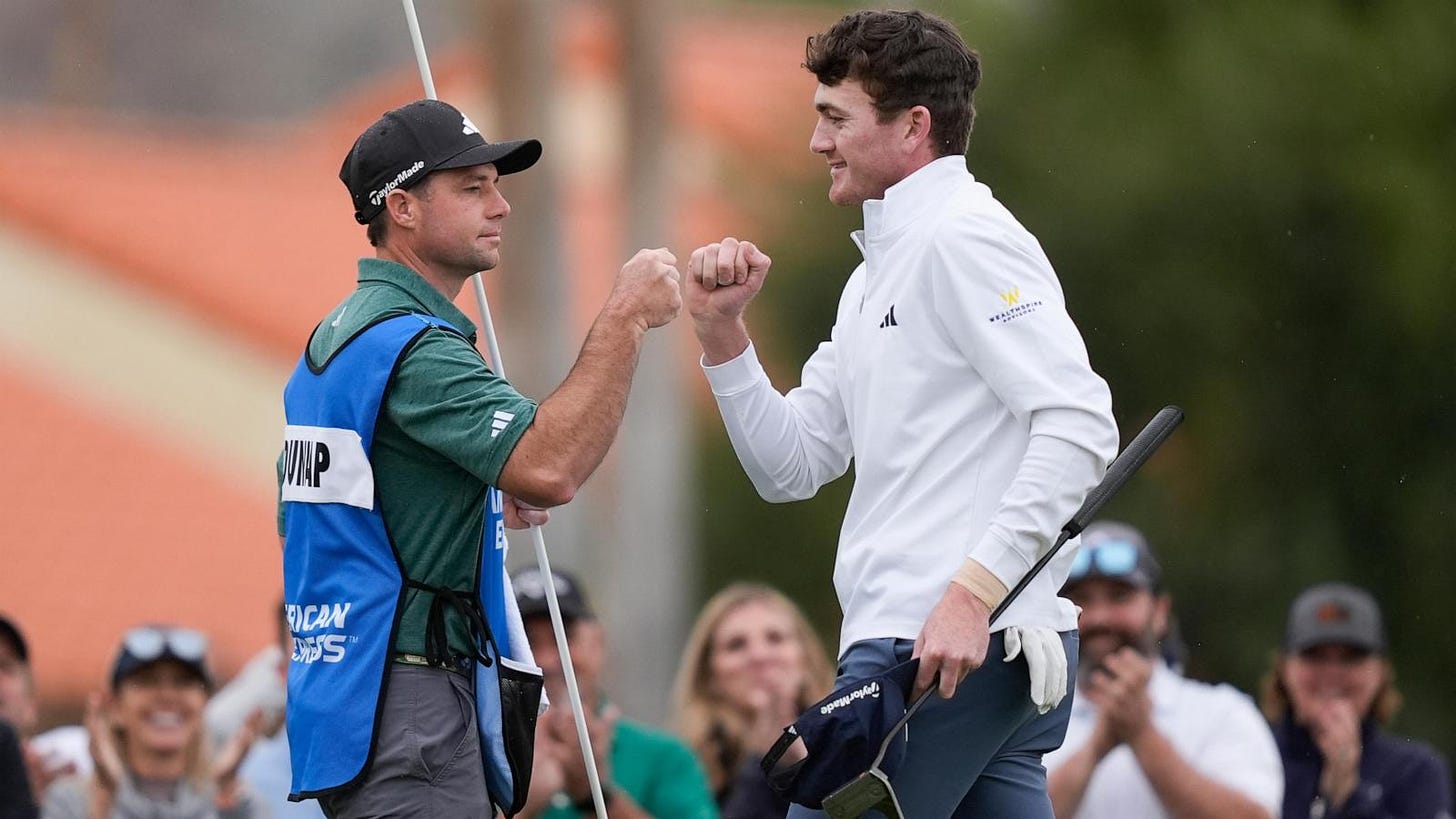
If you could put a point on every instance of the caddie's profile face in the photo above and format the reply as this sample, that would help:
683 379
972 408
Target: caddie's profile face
1116 614
460 215
865 156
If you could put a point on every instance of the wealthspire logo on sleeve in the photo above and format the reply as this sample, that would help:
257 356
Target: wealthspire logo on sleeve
1016 308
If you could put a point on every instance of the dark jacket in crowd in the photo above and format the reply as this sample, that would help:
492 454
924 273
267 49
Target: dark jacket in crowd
749 796
16 801
1400 778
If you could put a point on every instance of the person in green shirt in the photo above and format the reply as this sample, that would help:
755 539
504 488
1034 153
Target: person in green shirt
428 187
645 773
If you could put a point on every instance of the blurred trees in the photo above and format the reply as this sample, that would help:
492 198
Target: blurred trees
1252 209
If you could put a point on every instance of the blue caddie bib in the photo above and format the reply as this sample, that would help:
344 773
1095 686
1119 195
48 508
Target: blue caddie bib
344 585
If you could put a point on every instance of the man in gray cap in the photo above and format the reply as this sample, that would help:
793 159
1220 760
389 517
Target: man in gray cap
404 457
1144 741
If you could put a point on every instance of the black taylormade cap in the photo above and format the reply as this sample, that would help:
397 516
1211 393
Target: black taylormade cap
841 736
406 144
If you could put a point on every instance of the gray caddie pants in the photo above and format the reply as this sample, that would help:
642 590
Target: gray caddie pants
427 756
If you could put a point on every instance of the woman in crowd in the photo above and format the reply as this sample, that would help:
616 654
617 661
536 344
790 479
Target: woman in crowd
1329 696
148 742
752 663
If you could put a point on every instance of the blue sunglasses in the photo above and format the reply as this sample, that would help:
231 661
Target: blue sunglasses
1111 558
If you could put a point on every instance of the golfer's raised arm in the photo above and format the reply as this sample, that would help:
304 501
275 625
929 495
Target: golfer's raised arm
574 427
789 445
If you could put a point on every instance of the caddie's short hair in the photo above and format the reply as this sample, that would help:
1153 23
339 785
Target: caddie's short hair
904 59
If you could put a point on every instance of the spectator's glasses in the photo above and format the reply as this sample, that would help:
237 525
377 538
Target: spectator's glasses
1111 558
147 643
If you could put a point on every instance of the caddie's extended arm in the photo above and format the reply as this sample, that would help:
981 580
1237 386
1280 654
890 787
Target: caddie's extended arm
575 426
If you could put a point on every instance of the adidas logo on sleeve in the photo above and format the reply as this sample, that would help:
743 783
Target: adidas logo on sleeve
501 420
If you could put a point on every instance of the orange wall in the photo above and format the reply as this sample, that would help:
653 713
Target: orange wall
106 523
107 526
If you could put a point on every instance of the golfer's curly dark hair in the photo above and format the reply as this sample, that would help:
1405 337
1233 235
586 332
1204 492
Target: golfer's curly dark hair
904 59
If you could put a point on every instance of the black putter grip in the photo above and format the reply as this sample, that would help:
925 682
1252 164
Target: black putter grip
1123 466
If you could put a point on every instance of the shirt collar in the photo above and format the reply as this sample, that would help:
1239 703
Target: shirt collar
913 197
430 300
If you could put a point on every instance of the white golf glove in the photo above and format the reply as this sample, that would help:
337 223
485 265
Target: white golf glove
1046 660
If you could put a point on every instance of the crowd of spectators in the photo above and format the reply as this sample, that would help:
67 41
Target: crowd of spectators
160 738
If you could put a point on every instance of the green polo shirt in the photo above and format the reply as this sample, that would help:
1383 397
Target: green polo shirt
657 770
437 445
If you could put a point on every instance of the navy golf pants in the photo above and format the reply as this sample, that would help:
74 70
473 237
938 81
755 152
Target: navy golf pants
979 753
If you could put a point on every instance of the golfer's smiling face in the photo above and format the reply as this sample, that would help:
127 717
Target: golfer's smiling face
865 155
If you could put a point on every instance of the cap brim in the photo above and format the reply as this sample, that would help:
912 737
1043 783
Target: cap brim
507 157
569 612
1339 638
127 666
1135 579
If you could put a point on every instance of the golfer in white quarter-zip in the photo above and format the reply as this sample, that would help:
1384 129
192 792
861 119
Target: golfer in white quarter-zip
959 386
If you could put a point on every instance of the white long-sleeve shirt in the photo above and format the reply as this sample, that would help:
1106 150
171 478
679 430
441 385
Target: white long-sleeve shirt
956 381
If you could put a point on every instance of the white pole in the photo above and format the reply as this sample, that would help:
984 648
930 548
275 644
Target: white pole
538 540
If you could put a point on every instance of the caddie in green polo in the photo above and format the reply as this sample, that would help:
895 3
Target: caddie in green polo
403 456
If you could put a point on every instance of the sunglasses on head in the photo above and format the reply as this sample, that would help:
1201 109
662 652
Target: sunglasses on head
147 643
1111 558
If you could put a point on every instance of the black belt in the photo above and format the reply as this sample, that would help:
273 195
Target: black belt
437 642
453 664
